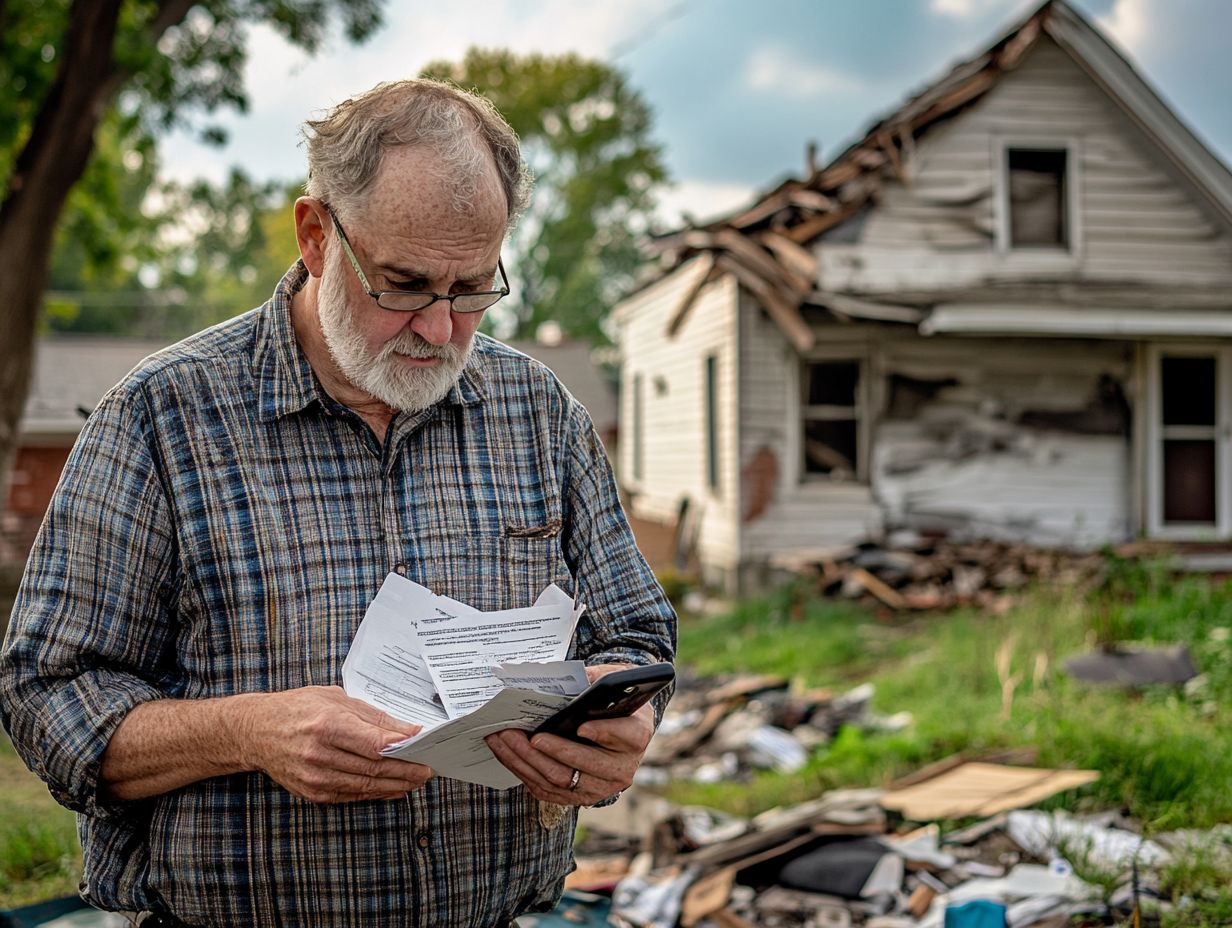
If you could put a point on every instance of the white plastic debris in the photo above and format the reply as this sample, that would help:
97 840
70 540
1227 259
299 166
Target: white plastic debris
776 749
1055 834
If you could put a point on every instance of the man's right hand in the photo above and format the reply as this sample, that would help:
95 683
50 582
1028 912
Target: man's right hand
324 746
316 742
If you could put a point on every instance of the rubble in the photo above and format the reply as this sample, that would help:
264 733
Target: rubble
841 862
924 573
716 731
953 845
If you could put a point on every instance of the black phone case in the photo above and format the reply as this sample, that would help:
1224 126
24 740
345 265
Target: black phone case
618 694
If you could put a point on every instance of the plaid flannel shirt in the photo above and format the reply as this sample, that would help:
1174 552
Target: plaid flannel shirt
220 528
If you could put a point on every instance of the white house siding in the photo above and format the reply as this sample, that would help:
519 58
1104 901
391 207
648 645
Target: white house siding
1012 448
673 438
1135 223
801 517
1020 448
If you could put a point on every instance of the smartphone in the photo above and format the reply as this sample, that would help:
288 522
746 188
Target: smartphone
619 693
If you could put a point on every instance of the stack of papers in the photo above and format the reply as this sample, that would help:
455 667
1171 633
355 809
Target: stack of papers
462 674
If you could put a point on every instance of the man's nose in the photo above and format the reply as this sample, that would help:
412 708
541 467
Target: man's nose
434 323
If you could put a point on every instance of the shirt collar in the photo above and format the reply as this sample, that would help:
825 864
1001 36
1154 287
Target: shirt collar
285 381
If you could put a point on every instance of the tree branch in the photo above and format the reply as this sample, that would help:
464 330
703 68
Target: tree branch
170 13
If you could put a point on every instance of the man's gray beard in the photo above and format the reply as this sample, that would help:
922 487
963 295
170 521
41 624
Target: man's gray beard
399 386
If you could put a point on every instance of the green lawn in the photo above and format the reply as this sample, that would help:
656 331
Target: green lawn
1163 756
39 854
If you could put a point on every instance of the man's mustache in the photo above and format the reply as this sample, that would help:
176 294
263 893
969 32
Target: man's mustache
418 347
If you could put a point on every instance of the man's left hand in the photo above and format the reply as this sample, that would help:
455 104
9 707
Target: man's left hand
546 763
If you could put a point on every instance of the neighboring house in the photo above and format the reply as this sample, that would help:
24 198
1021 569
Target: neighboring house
71 374
1006 312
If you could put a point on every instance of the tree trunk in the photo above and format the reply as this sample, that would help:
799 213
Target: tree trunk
52 161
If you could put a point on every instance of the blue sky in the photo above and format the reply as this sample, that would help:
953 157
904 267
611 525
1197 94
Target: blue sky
738 87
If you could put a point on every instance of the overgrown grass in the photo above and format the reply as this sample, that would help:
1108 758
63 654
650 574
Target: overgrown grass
1162 755
39 855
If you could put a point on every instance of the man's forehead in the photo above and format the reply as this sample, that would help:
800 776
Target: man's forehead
418 180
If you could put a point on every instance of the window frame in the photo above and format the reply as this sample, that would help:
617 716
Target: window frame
710 422
1072 182
858 355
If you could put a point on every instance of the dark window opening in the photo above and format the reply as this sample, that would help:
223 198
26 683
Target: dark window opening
830 419
1038 195
1188 390
1189 481
637 427
712 423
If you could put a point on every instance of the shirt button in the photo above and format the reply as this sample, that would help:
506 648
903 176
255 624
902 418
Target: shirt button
422 840
400 569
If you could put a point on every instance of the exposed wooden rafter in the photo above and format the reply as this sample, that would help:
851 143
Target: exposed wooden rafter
765 245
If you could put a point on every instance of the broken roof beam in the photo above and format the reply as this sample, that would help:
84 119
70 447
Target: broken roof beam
759 212
764 264
795 257
784 313
886 141
866 310
811 228
705 274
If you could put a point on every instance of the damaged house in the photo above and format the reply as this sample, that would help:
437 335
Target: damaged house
1005 312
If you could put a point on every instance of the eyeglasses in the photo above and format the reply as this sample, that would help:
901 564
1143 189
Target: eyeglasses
410 301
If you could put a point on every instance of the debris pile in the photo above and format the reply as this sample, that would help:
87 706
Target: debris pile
918 573
849 858
724 729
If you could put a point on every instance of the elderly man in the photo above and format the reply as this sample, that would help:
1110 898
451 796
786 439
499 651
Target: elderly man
232 506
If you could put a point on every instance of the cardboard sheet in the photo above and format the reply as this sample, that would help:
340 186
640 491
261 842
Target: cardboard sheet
981 789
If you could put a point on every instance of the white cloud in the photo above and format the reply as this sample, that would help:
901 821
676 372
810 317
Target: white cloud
1129 23
962 9
776 68
285 85
701 200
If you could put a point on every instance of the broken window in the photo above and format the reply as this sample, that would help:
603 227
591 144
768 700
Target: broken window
830 418
1190 417
1038 197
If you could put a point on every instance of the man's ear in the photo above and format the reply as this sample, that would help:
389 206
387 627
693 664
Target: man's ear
310 223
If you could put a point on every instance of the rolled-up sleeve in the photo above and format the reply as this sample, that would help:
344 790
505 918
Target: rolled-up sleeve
89 633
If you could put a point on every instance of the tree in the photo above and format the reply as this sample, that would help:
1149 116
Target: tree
69 67
240 248
587 135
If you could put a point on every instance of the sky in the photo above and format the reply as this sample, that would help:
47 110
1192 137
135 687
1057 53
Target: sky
738 87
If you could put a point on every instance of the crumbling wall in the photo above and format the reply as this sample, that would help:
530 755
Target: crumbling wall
1023 440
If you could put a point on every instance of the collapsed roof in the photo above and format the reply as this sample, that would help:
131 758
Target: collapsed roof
765 246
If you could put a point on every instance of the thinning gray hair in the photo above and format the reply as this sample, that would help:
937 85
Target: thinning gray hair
346 146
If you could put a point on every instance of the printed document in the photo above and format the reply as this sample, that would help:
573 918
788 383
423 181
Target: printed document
462 674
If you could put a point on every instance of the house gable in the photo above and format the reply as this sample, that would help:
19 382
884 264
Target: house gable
943 225
678 414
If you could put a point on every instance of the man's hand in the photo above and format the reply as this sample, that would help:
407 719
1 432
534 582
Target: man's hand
546 763
324 746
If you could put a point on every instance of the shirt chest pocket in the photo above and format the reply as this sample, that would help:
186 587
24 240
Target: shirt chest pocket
489 572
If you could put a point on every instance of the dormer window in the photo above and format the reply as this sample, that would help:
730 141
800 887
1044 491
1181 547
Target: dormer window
1038 197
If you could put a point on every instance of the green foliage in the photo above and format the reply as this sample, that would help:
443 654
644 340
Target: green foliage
244 243
587 136
39 854
821 643
1200 879
1161 753
117 221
